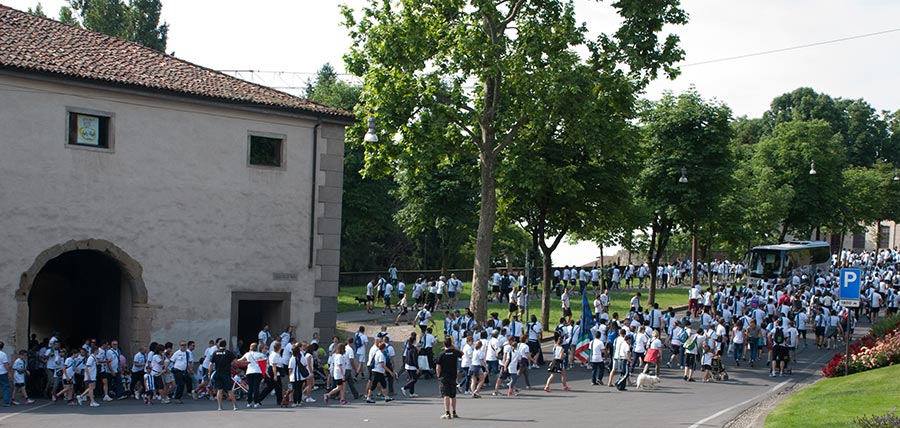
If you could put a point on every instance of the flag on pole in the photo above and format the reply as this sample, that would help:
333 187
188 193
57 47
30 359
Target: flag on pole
583 345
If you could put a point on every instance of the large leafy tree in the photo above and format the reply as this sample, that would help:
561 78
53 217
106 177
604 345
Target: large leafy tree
485 64
135 20
690 132
794 200
569 175
863 132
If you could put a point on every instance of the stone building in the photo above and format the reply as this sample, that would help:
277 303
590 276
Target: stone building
143 197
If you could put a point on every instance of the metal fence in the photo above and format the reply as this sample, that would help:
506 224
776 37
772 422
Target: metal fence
349 279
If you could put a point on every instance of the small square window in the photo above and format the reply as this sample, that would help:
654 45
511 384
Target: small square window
266 150
90 130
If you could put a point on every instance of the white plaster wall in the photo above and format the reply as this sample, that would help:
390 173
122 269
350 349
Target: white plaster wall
176 195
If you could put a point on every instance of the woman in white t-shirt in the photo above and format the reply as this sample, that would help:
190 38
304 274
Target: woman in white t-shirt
298 380
738 343
254 374
654 353
477 368
557 366
336 365
90 376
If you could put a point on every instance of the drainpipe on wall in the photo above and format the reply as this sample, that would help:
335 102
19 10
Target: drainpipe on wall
312 193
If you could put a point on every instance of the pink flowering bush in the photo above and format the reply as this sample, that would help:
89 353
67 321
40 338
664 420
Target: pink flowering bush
870 352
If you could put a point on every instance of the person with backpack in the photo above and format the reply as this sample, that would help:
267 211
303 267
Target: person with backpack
779 349
423 317
535 335
690 352
360 341
556 366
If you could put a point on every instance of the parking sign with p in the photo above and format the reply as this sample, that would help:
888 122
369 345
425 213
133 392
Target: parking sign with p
851 279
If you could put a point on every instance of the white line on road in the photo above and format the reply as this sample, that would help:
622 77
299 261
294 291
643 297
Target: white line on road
775 388
25 411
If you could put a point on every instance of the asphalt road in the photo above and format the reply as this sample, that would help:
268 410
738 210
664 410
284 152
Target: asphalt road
675 404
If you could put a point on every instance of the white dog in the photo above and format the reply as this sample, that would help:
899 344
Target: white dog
645 381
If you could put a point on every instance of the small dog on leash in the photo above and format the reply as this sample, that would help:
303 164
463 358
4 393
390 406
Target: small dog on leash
645 381
286 400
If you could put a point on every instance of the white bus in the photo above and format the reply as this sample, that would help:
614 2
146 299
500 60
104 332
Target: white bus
783 261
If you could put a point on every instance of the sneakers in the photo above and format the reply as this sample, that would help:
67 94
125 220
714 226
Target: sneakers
80 400
547 388
309 400
29 401
388 399
414 395
446 416
137 396
15 403
194 395
325 397
495 393
107 398
345 402
220 408
404 392
566 388
370 401
95 404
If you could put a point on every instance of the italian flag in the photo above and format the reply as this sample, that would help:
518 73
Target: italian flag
583 345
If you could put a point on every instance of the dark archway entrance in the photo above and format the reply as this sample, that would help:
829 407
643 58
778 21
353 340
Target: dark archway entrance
84 289
77 294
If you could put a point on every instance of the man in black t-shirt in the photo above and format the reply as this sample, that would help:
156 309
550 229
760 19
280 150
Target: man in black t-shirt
446 370
220 366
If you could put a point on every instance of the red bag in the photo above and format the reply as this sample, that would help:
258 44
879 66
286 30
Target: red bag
262 366
652 356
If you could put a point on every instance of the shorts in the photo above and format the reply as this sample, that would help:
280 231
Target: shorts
495 289
595 284
168 377
448 389
378 379
19 385
387 301
223 383
830 332
820 331
780 353
380 294
452 294
370 298
690 360
706 367
338 382
802 333
493 366
158 383
556 366
420 299
68 381
513 307
475 371
567 312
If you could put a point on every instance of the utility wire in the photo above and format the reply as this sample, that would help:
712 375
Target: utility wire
844 39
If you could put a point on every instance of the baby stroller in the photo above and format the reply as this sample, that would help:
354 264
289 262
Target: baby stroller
320 378
718 369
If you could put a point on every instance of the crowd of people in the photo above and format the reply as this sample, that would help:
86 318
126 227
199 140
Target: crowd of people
759 324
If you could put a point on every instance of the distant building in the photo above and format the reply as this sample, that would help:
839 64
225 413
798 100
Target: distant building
145 198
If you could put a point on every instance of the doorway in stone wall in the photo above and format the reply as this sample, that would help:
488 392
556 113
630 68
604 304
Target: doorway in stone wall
251 310
81 290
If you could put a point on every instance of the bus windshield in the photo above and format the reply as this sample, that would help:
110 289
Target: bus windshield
765 263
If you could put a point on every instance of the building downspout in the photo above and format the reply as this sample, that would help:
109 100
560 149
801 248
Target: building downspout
312 193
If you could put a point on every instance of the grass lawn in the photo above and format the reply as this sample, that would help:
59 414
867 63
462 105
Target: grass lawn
618 302
836 402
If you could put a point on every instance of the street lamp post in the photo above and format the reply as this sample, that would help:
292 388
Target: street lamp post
684 180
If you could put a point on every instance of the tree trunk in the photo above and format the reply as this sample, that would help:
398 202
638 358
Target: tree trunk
445 253
784 229
545 292
486 219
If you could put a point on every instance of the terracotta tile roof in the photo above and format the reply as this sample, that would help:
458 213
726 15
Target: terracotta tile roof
31 43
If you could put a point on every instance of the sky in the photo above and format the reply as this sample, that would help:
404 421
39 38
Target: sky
301 35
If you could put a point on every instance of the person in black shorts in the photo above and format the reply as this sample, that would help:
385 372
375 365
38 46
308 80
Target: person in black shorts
446 367
220 366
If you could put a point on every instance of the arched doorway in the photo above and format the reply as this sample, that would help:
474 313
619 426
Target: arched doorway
83 289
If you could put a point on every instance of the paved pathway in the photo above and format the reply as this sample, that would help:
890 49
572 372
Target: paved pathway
675 404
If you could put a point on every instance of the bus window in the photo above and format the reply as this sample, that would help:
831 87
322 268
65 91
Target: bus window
766 263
